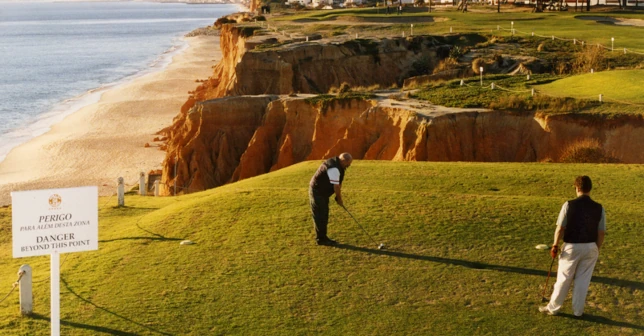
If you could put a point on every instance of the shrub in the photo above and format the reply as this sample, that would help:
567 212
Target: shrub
476 64
446 64
498 60
421 66
540 103
589 58
586 151
344 88
248 31
456 52
370 88
223 20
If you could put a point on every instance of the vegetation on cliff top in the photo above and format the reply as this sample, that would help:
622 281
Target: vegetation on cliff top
514 93
460 258
616 86
341 94
555 51
569 25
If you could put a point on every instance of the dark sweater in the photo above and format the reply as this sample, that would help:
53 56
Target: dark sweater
320 183
583 219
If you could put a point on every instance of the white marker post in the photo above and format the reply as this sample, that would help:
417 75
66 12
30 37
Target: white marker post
481 72
55 293
54 221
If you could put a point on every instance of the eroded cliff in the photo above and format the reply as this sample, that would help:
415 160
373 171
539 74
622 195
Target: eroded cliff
215 145
241 123
307 67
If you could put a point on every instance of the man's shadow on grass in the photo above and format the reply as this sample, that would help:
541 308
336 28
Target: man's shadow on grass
602 320
509 269
98 328
482 266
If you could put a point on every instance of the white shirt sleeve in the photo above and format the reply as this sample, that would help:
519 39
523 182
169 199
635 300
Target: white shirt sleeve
563 216
334 175
602 221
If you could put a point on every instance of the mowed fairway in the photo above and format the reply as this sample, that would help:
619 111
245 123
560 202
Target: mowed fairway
461 257
564 25
620 85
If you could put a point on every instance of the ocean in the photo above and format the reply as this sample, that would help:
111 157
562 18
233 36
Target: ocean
56 57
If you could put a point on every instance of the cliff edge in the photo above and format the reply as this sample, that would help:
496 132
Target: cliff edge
248 120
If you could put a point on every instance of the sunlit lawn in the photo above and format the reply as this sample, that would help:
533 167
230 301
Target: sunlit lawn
460 257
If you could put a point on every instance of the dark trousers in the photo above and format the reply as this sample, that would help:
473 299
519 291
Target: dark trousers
320 212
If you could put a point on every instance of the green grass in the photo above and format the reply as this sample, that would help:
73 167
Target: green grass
560 24
619 85
513 93
460 259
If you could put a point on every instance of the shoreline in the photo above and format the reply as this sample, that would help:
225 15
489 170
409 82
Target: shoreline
43 123
105 140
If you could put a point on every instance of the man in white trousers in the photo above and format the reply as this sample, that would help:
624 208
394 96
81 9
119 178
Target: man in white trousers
582 222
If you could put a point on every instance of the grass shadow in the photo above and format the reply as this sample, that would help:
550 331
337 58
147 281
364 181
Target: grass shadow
156 236
137 238
152 233
97 329
603 320
483 266
64 282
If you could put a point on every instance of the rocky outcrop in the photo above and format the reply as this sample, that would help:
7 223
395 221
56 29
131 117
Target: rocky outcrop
252 130
215 145
206 142
312 67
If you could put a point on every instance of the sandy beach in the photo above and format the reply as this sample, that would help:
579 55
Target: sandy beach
102 141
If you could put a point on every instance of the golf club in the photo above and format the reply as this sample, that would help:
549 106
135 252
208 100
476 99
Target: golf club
543 296
380 246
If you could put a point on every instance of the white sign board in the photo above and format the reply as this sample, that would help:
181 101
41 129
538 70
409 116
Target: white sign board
54 220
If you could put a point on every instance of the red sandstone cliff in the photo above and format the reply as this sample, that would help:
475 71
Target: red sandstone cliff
217 140
206 142
216 145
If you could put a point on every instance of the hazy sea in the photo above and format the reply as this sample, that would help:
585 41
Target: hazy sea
58 57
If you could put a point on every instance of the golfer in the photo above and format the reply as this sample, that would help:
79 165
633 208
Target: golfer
326 182
582 222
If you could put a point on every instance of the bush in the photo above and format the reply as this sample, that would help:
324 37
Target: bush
344 88
541 103
589 58
248 31
446 64
456 52
223 20
421 66
476 64
586 151
498 60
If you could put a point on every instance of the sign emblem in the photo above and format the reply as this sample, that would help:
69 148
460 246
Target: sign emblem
55 200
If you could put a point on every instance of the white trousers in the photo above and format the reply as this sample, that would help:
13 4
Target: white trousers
576 263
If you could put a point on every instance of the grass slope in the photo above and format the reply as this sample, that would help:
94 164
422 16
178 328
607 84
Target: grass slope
620 85
460 259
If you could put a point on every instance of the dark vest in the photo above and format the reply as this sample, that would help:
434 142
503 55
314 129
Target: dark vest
583 218
320 183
